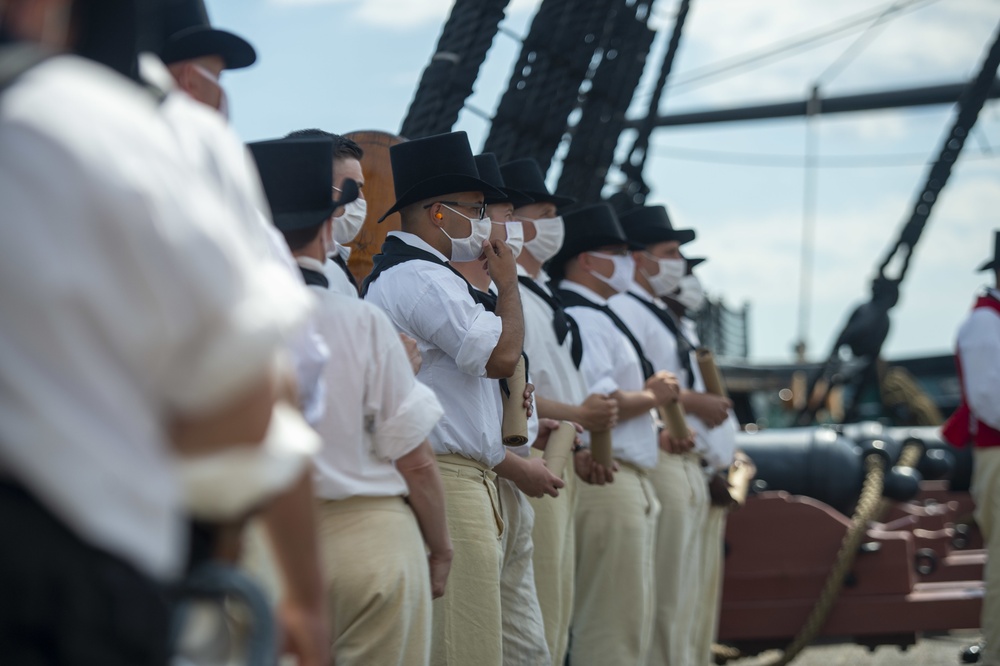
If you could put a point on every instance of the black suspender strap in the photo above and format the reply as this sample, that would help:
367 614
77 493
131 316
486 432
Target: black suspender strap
337 259
562 323
571 298
396 252
684 346
314 278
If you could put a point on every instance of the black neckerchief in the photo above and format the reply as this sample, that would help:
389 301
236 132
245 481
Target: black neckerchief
337 259
314 278
684 346
396 252
562 323
571 298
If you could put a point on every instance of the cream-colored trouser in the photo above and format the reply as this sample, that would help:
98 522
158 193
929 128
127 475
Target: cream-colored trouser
379 590
985 491
523 630
712 568
613 606
467 626
680 534
554 537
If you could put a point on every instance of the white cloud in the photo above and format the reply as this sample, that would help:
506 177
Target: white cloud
404 14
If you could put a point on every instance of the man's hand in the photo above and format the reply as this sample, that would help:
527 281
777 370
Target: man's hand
712 409
410 345
440 564
545 428
500 264
537 481
593 472
669 444
306 634
529 404
664 386
598 412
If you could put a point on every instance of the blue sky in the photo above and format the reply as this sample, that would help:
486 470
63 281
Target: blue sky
347 65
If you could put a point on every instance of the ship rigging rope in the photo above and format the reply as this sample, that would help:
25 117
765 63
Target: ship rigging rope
869 504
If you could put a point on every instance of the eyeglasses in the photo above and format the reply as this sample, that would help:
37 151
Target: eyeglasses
477 206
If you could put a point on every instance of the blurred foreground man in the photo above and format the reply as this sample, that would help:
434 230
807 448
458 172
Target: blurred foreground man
976 423
155 334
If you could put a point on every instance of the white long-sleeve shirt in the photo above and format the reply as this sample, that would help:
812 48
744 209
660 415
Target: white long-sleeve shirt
979 349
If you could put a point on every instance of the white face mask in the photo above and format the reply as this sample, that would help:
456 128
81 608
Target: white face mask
621 277
669 276
549 235
470 247
515 236
692 294
347 226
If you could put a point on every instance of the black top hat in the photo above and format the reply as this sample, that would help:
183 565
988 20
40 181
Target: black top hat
994 263
297 175
188 34
587 229
650 224
434 166
489 170
524 175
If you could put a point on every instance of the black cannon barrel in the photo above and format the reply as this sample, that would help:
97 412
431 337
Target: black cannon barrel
821 463
940 460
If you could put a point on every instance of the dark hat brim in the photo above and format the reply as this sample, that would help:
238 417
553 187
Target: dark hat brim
513 197
695 261
200 41
554 199
441 185
988 265
651 236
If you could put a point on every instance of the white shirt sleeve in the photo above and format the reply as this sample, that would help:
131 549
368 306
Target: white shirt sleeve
979 348
598 363
445 315
403 410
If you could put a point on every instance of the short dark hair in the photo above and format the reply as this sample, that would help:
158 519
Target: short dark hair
299 238
343 148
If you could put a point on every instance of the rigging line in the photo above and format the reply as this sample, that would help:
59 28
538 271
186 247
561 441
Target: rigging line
803 42
789 161
855 48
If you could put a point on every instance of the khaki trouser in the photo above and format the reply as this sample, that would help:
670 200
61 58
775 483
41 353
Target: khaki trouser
379 590
986 493
680 533
467 625
613 606
554 558
712 569
523 630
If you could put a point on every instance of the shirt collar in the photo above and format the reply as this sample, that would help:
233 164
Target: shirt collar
994 293
641 292
309 263
416 241
521 272
342 251
583 291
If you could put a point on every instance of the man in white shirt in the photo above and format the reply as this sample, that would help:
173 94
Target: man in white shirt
615 524
375 454
465 349
552 340
195 106
678 478
150 333
715 443
976 423
347 157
